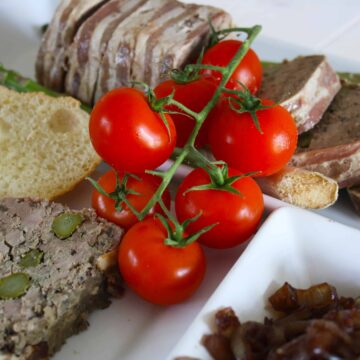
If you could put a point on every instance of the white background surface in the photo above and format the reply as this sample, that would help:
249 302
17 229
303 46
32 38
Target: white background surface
327 26
132 329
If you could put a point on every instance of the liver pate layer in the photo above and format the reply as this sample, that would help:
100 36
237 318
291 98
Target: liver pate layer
65 286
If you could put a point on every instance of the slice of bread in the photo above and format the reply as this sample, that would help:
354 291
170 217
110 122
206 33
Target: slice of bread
44 145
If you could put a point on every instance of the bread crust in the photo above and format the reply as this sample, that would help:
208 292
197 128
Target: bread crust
303 188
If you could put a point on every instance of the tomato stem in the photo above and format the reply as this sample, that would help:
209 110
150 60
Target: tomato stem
183 108
219 69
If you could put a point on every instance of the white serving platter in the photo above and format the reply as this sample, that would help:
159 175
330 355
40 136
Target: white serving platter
131 329
293 245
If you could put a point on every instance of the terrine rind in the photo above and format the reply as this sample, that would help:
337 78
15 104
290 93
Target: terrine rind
304 86
333 146
65 286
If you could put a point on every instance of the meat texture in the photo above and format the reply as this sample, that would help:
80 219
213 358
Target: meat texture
52 58
64 287
304 86
166 38
333 146
90 44
122 41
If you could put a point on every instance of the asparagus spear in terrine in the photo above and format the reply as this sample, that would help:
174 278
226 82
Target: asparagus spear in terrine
305 86
333 146
51 274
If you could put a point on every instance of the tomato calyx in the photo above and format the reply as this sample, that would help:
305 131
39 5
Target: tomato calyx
119 195
176 237
176 232
245 101
226 180
190 73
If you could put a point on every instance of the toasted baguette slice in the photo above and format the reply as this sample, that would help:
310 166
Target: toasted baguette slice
307 189
44 143
333 146
299 187
304 86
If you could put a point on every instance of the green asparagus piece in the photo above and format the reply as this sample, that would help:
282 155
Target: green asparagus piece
13 80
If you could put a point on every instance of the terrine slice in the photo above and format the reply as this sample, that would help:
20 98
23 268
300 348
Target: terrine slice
333 146
90 44
190 29
52 55
118 63
142 48
65 282
304 86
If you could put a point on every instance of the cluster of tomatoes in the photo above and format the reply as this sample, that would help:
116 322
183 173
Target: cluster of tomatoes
132 138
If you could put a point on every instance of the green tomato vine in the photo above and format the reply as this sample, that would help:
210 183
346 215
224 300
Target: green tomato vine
189 149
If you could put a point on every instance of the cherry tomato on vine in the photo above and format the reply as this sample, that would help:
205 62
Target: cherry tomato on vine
248 72
234 138
157 272
128 134
194 95
237 216
145 187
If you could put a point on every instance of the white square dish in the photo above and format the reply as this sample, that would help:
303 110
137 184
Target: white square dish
293 245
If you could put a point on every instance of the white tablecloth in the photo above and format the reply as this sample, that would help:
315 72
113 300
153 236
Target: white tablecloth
326 26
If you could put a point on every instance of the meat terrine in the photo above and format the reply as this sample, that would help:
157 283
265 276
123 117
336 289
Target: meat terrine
333 146
52 57
304 86
119 42
65 283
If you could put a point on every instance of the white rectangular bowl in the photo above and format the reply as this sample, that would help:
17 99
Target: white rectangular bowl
293 245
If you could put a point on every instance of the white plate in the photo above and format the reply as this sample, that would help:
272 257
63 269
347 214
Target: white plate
293 245
131 329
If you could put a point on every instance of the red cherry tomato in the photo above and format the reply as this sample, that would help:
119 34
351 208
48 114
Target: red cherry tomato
237 216
146 187
234 138
157 272
194 95
128 134
248 72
